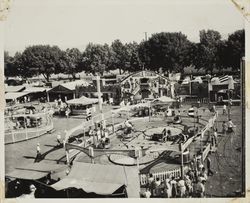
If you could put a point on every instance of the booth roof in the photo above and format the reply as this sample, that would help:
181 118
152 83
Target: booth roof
36 89
18 88
83 101
14 95
35 171
72 85
101 179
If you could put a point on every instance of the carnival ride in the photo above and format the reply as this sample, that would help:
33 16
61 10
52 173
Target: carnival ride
26 122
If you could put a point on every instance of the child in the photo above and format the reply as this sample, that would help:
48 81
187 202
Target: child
224 127
230 126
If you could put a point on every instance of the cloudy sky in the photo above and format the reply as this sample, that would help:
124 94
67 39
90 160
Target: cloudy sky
68 23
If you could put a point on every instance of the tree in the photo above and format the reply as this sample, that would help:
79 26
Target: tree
96 58
119 57
42 59
132 57
72 61
235 46
207 50
9 68
166 50
144 54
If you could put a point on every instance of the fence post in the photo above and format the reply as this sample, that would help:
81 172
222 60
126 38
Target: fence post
83 132
113 122
66 151
182 164
13 136
37 134
26 134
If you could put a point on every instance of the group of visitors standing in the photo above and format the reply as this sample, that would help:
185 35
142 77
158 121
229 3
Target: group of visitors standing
191 185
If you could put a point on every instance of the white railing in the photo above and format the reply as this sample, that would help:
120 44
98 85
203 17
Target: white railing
206 151
195 100
161 175
13 135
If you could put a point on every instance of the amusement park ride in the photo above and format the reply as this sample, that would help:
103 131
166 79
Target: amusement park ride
142 147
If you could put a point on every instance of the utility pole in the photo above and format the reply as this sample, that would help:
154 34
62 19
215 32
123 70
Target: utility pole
146 36
99 92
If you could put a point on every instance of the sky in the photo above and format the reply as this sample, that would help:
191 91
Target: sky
75 23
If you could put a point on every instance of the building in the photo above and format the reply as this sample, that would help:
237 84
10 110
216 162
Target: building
133 87
66 91
145 85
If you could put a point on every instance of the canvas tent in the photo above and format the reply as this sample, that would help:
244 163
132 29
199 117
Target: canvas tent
101 179
35 171
12 96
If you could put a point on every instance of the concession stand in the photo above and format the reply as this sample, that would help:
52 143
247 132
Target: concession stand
82 106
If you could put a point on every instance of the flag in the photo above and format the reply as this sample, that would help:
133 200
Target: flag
223 79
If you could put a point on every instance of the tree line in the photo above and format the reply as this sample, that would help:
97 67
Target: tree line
166 51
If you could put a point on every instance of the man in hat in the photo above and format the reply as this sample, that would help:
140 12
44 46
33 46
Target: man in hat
59 140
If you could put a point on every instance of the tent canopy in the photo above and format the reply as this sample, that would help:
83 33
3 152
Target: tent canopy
83 101
35 171
101 179
18 88
14 95
164 99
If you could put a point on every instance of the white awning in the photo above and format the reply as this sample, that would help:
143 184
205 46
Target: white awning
15 95
101 179
82 101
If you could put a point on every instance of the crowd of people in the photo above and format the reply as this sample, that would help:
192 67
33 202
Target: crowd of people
192 184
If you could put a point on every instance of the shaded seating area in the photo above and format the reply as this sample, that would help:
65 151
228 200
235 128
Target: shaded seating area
102 180
39 174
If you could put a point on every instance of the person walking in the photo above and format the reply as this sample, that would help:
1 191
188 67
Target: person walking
150 183
215 135
189 186
224 127
38 153
147 193
59 140
167 188
230 126
199 188
224 109
214 109
157 189
181 187
173 184
209 171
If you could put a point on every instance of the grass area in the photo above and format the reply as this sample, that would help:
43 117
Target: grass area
227 160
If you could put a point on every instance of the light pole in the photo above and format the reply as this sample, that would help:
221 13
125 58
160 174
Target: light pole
209 86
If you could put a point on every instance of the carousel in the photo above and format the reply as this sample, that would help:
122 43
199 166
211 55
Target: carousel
26 123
